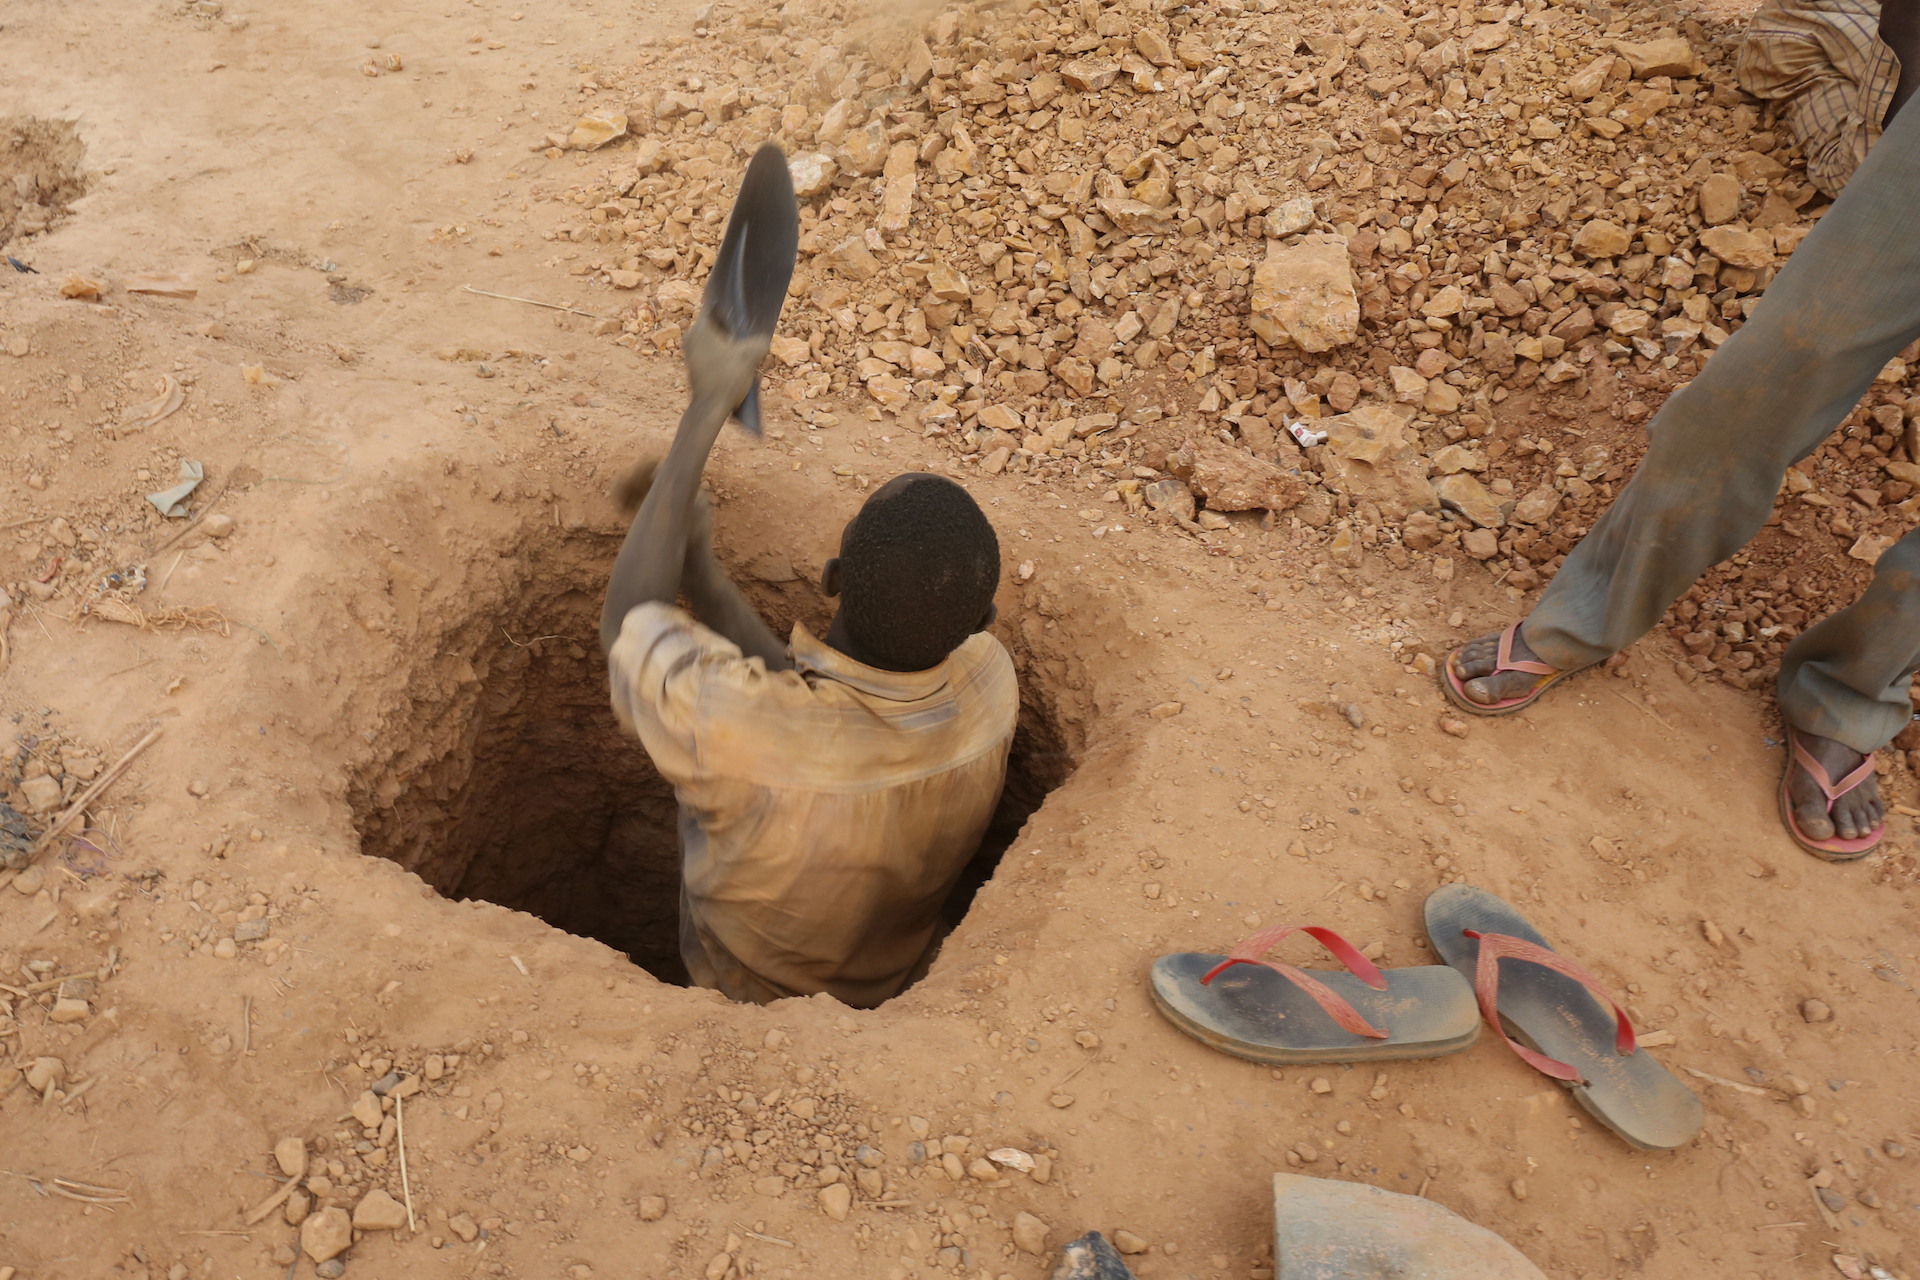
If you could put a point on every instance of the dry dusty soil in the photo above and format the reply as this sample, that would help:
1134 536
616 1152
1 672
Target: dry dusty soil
390 826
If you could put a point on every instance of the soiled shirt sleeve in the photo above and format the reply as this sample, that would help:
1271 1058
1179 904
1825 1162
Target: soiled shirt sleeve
660 669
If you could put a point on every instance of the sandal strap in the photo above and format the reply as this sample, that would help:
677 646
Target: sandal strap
1503 658
1495 947
1251 951
1824 780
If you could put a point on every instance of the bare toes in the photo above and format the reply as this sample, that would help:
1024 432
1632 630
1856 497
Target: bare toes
1813 822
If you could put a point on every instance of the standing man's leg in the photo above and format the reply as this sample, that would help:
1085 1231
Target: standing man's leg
1845 303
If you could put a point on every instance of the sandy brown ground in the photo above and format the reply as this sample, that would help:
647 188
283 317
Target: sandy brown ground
393 513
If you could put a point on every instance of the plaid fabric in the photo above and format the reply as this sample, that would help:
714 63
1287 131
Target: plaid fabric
1823 60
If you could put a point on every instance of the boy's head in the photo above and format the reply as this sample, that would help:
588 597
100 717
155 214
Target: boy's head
916 574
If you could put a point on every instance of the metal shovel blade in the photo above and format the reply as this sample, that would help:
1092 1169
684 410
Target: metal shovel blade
748 283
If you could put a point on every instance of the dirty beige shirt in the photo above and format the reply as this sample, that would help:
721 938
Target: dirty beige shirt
826 811
1824 62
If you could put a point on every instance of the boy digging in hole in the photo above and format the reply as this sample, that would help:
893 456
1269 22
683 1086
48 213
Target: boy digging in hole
831 792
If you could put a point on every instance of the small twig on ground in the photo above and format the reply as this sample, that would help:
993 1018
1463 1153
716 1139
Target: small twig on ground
1642 706
535 302
1735 1085
77 1094
246 1025
87 797
755 1235
275 1200
400 1136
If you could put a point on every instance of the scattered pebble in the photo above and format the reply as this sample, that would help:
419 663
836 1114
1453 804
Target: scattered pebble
836 1200
326 1233
1030 1234
1816 1010
378 1211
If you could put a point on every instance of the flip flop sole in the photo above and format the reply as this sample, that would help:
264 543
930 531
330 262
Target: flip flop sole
1252 1012
1834 850
1634 1096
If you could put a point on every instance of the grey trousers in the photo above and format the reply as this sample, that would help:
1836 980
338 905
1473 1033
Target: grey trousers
1846 302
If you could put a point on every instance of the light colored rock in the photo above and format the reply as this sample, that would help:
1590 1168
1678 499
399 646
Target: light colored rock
326 1234
1590 79
1172 495
1450 301
652 1208
1599 239
1154 47
67 1009
1090 75
836 1200
1487 39
378 1211
896 203
291 1155
1290 217
1408 386
813 173
853 259
1233 480
42 793
791 352
463 1225
1741 249
1357 1230
1369 434
1463 493
1030 1234
597 130
366 1109
1456 458
1537 507
865 150
1481 544
1371 457
1657 58
1306 295
1443 398
947 284
1719 199
839 120
1127 1242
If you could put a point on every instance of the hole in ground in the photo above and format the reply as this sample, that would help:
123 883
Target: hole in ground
39 174
516 785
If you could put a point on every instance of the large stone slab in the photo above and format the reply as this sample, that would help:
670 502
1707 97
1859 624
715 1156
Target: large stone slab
1371 456
1305 295
1328 1230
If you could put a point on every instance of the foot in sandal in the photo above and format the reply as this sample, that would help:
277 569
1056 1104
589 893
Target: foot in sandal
1270 1012
1545 1006
1497 674
1831 798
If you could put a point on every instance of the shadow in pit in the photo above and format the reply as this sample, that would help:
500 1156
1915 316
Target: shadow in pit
518 786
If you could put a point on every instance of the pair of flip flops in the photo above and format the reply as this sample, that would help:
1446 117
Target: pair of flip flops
1497 967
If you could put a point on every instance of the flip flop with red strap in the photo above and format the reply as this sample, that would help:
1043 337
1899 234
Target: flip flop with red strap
1265 1011
1834 848
1454 685
1544 1005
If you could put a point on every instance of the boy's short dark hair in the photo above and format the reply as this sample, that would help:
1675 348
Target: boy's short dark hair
919 569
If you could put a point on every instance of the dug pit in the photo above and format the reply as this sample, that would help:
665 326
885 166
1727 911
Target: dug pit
516 784
39 174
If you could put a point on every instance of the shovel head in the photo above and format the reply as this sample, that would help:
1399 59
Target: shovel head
748 283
